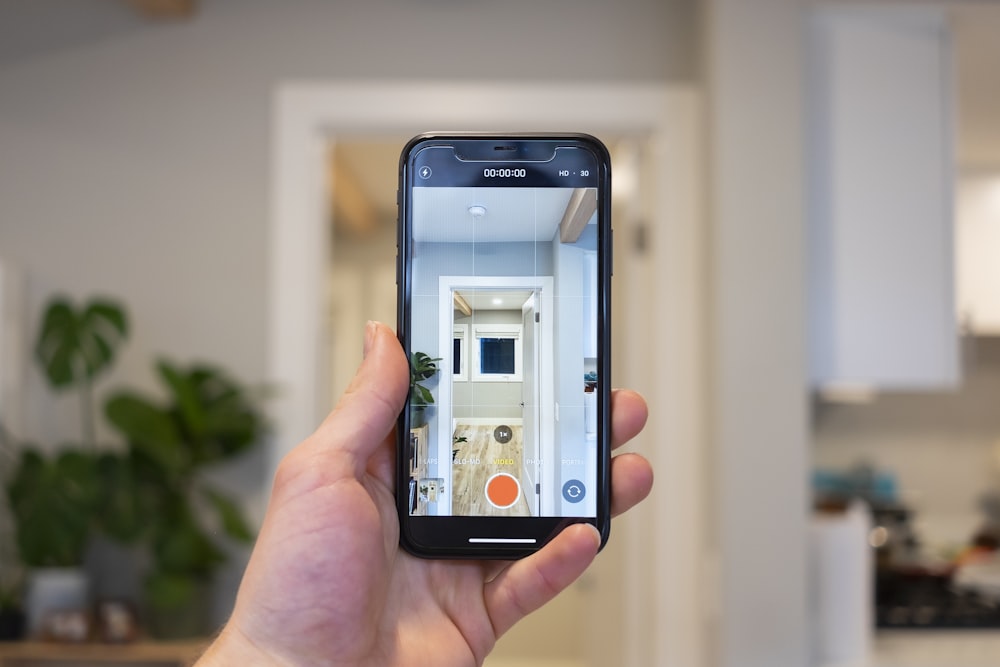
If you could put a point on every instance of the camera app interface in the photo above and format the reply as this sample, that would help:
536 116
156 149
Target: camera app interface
503 302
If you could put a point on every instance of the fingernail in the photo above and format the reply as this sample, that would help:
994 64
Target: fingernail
596 534
370 330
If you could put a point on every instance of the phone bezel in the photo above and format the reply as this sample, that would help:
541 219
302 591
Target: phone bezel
449 536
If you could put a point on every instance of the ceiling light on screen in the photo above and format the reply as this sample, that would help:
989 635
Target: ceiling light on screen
497 301
477 211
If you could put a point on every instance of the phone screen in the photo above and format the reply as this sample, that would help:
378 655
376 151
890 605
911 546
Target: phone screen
503 243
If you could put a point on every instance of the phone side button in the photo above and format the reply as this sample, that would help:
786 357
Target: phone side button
502 540
611 253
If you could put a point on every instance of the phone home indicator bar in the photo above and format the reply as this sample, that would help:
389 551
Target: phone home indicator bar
502 540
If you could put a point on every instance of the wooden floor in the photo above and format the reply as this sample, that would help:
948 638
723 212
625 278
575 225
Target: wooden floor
469 478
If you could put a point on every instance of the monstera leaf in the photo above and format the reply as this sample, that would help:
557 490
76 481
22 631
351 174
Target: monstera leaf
75 345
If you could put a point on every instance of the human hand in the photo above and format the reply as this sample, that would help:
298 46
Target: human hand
327 582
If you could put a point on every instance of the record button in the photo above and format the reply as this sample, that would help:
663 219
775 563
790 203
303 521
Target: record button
503 490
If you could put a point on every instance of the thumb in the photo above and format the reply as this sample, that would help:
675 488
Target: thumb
367 411
533 581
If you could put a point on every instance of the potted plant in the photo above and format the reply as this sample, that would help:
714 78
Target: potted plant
54 498
422 368
54 502
206 419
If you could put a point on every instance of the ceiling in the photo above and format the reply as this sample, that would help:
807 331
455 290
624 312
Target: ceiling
511 214
34 28
367 168
495 299
976 39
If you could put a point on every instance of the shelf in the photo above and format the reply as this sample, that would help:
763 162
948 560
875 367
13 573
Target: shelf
52 654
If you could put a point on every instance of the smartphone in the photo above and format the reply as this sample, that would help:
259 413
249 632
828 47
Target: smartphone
504 269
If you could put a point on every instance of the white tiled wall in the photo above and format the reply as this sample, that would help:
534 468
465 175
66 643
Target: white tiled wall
943 448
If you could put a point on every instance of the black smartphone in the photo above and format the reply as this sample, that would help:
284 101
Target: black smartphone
504 266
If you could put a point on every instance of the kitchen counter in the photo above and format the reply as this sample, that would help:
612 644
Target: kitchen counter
937 648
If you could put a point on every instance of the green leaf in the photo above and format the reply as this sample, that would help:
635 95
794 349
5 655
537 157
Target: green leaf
123 512
206 417
181 545
184 391
57 342
422 395
229 513
423 366
73 345
77 473
106 314
150 429
170 590
54 502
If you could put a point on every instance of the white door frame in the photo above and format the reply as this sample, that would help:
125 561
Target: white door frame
545 371
667 595
530 427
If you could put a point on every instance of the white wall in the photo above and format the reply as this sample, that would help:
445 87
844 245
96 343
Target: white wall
757 344
136 163
977 237
942 448
568 319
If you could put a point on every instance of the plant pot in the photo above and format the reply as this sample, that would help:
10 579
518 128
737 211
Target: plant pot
418 417
12 624
187 617
52 589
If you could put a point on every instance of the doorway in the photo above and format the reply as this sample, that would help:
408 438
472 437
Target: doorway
500 314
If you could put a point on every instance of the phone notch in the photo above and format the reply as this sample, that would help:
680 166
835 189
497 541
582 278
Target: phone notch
489 151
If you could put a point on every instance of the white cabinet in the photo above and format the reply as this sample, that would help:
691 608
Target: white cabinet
880 202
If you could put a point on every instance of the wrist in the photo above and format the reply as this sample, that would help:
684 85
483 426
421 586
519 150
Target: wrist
232 647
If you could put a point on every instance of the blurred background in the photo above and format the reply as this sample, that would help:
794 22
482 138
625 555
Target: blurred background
198 196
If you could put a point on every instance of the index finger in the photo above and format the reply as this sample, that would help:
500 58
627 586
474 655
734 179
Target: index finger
628 416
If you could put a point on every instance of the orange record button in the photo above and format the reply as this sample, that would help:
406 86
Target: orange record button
502 490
